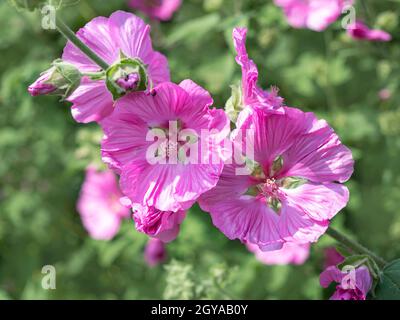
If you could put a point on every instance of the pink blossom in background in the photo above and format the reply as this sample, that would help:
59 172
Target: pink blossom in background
293 190
384 94
155 252
163 225
353 285
316 15
291 253
157 9
174 185
360 31
332 257
252 95
99 206
124 32
40 87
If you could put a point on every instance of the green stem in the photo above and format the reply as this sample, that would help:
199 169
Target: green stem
354 246
70 35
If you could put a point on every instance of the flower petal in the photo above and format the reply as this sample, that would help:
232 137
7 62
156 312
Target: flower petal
363 279
295 226
91 102
168 187
320 202
131 34
329 275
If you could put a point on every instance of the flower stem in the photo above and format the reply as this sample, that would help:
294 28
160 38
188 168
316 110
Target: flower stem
70 35
354 246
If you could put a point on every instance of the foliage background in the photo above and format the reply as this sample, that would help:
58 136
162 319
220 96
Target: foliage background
43 153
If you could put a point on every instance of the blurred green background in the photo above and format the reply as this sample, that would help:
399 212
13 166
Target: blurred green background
43 152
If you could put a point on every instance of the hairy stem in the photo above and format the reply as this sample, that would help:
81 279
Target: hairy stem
70 35
354 246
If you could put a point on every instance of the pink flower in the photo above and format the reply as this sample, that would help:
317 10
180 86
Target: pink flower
316 15
163 225
40 86
332 257
252 96
292 190
155 252
99 206
385 94
291 253
157 171
108 37
352 285
360 31
157 9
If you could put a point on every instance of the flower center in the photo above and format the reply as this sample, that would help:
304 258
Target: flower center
270 188
176 143
169 149
270 191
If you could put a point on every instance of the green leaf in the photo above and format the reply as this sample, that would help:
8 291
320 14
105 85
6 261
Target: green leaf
388 287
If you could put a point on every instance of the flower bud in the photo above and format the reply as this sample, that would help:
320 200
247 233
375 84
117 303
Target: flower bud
155 252
61 79
127 75
234 104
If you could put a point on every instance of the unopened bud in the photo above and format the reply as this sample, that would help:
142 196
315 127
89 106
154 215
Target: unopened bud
126 75
61 79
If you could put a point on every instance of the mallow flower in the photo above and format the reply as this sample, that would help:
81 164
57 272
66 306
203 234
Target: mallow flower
156 9
351 285
316 15
99 204
291 253
360 31
123 41
155 252
167 146
249 95
163 225
284 183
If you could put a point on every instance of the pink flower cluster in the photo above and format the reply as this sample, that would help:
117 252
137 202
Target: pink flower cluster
158 194
289 188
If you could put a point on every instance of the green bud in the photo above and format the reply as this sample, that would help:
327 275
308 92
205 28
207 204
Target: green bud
126 75
234 104
61 79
